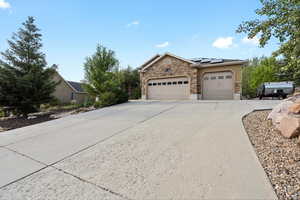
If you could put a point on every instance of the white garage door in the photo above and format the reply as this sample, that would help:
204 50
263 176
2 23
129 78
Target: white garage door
171 88
218 86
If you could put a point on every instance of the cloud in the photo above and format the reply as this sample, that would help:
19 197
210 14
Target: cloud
4 4
134 23
162 45
252 41
223 42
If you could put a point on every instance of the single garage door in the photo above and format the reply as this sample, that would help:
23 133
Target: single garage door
171 88
218 86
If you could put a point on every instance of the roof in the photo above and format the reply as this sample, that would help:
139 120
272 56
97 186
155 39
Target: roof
212 62
77 86
159 57
195 62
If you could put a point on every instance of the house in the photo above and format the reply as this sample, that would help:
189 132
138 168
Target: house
69 91
169 76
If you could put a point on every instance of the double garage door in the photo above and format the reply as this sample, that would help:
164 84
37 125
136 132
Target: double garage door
215 86
171 88
218 86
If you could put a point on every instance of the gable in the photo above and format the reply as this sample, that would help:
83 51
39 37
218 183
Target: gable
168 66
156 59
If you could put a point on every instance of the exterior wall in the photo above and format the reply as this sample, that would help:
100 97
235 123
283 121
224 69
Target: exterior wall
178 68
80 97
63 92
235 69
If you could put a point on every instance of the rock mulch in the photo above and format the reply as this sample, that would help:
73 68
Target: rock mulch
279 156
10 123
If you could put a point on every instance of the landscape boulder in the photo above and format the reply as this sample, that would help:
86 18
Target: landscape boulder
286 116
289 126
295 108
280 111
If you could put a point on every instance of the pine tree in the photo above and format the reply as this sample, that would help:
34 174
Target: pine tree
25 80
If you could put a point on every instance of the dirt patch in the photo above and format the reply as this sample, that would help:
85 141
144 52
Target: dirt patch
280 157
14 122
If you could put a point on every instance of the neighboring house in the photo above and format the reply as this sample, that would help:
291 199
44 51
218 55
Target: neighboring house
69 91
171 77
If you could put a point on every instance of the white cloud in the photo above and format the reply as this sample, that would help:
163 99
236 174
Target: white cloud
134 23
223 42
4 4
162 45
252 41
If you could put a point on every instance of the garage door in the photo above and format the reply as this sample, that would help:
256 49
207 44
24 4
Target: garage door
171 88
218 86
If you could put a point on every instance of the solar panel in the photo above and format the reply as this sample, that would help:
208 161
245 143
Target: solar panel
206 60
196 59
216 61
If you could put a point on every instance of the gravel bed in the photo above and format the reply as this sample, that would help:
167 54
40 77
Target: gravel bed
280 157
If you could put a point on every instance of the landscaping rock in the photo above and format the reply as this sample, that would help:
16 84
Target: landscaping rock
280 111
295 108
280 157
289 126
3 129
82 110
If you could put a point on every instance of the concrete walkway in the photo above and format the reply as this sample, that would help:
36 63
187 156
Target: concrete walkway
137 150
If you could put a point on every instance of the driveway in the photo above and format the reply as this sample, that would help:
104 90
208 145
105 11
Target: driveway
137 150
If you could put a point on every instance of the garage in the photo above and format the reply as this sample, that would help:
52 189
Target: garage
170 88
218 86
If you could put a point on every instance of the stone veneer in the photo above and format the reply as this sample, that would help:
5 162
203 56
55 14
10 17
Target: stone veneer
171 67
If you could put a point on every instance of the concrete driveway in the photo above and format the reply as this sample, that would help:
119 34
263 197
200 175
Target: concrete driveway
137 150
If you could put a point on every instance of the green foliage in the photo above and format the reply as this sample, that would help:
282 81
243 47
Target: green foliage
88 102
279 19
25 80
2 113
103 80
257 72
130 80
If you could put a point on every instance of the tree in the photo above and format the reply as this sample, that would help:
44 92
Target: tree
131 82
258 71
280 19
25 80
102 77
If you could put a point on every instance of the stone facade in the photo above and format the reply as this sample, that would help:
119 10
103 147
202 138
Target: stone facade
171 67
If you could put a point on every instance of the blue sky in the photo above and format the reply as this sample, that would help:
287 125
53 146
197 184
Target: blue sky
134 29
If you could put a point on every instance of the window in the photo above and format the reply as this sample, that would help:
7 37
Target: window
206 78
180 82
154 84
228 77
169 83
164 83
213 78
159 83
149 84
72 96
221 77
185 82
175 83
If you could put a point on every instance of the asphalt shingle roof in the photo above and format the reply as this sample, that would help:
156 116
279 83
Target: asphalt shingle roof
77 86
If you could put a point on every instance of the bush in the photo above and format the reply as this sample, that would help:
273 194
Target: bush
88 102
2 113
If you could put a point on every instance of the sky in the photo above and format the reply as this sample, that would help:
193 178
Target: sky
135 29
